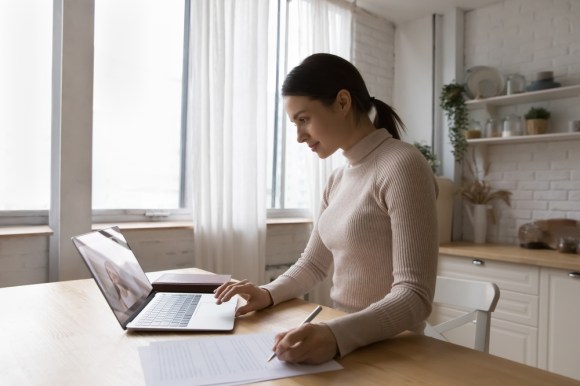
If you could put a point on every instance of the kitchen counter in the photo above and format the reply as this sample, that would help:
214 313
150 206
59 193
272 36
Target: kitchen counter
513 254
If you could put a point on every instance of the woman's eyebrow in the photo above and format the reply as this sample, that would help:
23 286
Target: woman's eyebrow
297 114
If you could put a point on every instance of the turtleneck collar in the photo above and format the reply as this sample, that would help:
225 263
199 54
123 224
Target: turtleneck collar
365 146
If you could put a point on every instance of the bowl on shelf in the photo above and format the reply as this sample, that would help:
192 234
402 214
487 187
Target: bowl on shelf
544 81
539 85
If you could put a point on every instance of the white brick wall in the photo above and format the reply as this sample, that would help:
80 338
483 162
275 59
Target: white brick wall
374 53
286 242
544 179
527 36
23 260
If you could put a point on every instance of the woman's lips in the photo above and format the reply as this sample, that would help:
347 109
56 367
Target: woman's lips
314 146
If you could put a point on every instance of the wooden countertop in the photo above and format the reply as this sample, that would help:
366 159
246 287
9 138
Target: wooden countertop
513 254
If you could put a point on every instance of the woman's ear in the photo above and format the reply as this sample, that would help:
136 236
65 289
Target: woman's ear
344 100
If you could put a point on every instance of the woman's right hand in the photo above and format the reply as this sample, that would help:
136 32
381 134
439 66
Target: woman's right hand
256 298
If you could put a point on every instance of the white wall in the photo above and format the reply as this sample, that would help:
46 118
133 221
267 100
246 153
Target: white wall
24 259
374 53
413 87
528 36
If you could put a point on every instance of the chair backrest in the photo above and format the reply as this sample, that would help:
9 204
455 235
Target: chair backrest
478 297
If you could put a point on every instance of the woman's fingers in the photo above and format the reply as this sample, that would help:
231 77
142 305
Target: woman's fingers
226 291
309 343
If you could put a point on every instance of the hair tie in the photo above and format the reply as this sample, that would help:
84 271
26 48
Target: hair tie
373 100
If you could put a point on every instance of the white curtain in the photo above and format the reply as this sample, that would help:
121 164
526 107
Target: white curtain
227 112
318 26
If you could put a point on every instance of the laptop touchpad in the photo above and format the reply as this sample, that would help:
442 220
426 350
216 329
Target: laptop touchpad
210 316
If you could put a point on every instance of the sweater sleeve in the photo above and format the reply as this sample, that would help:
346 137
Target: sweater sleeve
310 269
408 194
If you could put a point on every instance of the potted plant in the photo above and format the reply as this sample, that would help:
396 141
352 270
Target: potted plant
453 103
429 156
537 120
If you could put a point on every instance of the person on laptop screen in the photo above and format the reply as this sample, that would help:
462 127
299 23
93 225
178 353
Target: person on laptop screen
377 224
125 290
129 289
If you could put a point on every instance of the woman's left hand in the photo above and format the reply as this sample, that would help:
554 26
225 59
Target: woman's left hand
309 343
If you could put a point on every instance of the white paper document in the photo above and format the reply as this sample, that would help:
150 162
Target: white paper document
219 360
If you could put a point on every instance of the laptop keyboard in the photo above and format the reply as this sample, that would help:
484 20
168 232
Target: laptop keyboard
169 310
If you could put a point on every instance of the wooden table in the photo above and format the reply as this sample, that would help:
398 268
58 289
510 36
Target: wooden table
65 334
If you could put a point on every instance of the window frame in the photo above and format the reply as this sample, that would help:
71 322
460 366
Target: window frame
185 209
183 213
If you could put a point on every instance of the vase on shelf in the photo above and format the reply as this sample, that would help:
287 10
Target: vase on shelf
477 214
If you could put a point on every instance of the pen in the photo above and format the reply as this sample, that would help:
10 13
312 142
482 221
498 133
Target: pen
307 320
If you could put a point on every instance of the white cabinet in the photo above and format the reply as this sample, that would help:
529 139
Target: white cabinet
514 324
559 340
537 317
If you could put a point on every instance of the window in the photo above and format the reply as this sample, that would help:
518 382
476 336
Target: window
138 125
139 98
288 183
25 104
304 27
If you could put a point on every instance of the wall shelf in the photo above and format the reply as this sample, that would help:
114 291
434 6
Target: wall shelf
525 97
526 138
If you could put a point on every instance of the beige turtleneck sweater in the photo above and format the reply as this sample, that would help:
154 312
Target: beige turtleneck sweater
378 225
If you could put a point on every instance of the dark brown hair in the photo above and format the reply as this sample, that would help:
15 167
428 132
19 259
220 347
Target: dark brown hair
321 76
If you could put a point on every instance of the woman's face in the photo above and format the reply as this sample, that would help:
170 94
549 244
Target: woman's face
321 127
113 275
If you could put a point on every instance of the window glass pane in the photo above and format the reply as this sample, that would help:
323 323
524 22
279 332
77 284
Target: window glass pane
25 103
312 27
137 103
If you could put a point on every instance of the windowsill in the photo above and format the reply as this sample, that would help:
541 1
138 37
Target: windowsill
45 230
289 220
25 230
146 225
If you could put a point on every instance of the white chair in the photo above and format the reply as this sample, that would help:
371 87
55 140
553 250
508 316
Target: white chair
479 297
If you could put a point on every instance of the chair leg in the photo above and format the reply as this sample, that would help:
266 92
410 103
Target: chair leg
482 330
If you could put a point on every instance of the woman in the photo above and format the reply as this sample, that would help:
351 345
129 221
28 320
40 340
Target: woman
377 223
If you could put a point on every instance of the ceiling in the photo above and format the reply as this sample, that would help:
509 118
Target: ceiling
399 11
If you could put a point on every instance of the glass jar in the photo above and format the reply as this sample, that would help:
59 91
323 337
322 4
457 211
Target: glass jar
515 84
474 130
491 129
512 126
567 245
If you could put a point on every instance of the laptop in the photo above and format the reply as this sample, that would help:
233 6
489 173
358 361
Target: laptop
132 298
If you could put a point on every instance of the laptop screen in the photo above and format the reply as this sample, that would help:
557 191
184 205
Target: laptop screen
116 271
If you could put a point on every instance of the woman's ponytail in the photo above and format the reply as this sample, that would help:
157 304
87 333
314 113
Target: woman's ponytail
387 118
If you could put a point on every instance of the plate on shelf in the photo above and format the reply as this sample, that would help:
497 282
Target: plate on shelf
484 82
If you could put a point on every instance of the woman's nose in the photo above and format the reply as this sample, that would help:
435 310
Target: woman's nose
301 136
